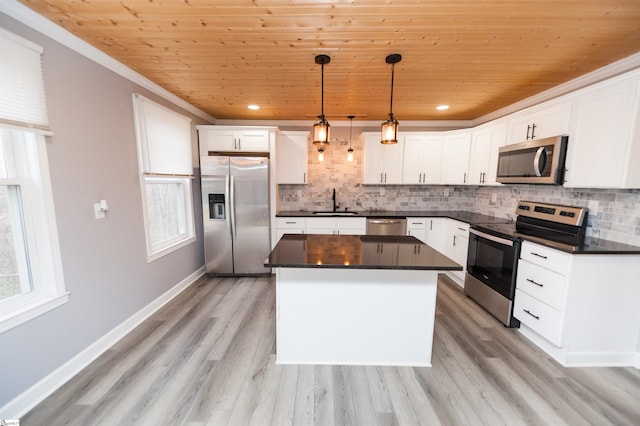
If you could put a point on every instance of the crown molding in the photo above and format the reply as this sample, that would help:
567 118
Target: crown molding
39 23
613 69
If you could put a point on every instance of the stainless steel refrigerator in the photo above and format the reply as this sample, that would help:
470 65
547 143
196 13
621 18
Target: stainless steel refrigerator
235 203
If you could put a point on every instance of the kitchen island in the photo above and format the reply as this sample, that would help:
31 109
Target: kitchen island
355 299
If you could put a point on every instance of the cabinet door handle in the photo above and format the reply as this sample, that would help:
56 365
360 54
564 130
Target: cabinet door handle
533 282
535 316
533 131
381 181
528 129
431 225
464 179
462 229
539 255
385 178
304 177
454 240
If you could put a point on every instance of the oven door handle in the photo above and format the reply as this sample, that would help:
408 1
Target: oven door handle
493 238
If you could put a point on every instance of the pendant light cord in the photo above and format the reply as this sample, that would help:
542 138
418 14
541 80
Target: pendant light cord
391 101
322 88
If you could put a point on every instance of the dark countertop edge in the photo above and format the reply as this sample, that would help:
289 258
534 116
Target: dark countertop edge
587 248
461 215
395 267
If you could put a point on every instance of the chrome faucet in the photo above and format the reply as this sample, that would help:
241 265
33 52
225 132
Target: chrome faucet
335 206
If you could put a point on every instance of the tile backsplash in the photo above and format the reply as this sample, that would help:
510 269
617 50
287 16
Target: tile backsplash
613 214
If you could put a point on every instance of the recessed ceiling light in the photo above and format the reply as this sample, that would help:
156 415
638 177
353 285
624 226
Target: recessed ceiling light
442 107
254 107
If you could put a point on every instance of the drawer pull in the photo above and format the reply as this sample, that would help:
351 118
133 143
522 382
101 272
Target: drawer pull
462 229
290 223
539 255
535 316
533 282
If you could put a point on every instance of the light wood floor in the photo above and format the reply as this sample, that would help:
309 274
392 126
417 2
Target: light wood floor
207 358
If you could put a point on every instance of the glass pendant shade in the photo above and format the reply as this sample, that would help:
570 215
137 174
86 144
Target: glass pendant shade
350 150
321 132
389 131
321 154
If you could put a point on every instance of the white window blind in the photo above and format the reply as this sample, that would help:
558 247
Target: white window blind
165 138
22 98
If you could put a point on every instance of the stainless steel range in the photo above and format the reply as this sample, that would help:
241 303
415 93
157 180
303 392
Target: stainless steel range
492 261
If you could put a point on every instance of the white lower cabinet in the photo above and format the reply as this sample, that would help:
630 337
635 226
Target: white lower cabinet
448 236
289 225
336 225
417 227
436 233
457 245
574 306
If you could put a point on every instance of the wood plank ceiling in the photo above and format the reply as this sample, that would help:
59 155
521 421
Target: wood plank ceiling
475 55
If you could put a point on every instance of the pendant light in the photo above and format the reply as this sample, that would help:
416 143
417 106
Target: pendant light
321 127
390 127
350 150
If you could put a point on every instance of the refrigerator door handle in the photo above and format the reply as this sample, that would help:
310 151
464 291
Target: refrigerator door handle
232 206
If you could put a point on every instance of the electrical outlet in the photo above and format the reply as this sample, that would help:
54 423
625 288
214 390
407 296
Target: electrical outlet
494 199
593 207
446 192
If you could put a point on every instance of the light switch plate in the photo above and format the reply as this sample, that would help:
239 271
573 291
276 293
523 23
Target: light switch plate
100 214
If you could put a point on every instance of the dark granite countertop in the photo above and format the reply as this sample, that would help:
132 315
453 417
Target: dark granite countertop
463 216
590 245
357 252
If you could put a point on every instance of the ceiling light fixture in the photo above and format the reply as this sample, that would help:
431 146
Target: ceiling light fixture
321 127
254 107
442 107
390 127
350 150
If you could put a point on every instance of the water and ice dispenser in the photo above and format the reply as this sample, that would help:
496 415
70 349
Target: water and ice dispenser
216 206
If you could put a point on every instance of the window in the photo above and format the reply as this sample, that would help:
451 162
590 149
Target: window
164 153
31 280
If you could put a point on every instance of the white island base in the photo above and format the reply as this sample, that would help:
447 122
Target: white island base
351 316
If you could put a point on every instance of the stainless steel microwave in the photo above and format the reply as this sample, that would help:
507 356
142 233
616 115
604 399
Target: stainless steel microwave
538 161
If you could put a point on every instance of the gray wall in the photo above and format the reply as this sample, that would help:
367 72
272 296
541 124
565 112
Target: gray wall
92 156
615 214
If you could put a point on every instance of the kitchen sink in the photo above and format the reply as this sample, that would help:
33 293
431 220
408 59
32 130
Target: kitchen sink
337 213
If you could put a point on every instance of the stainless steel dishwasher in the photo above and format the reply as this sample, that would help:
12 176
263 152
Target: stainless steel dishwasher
384 226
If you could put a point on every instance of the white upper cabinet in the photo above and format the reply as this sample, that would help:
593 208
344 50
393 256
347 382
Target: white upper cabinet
456 147
422 158
542 121
291 157
231 139
604 140
382 163
486 140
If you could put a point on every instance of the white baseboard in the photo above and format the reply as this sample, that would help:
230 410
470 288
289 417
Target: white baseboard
27 400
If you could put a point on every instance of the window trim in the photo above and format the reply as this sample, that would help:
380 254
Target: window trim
49 290
156 252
